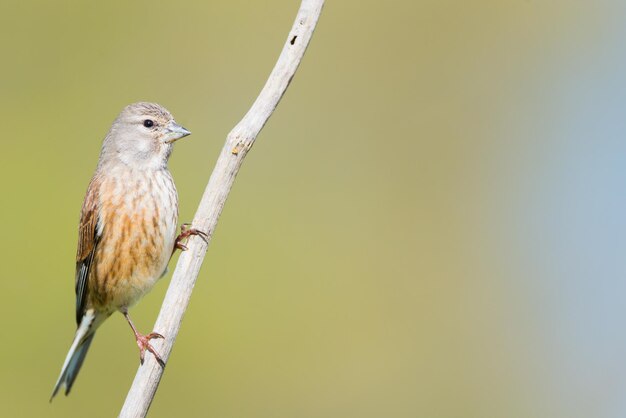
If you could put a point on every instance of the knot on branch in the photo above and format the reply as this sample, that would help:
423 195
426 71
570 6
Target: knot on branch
240 144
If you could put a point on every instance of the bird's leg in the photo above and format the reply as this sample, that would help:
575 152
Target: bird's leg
143 341
185 232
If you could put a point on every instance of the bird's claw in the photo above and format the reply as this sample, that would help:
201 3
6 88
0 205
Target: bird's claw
143 342
185 232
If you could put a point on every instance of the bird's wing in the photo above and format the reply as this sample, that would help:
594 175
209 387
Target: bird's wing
88 238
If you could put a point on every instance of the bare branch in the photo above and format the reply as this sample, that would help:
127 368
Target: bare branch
238 143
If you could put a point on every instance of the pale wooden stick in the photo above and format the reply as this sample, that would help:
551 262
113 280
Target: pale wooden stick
238 143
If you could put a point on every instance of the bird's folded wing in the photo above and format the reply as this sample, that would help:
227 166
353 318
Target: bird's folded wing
88 238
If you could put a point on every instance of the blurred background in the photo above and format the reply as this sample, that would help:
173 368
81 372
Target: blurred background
432 224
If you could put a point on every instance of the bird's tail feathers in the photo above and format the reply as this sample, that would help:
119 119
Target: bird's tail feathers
75 357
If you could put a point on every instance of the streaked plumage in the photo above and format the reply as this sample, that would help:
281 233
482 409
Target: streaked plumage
127 229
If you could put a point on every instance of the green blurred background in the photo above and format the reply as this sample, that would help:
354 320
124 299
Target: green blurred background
432 224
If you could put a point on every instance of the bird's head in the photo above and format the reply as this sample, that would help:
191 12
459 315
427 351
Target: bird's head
142 136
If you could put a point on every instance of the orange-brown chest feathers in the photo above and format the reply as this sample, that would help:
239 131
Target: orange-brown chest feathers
137 221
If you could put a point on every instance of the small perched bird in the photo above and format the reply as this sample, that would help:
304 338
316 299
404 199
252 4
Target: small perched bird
127 230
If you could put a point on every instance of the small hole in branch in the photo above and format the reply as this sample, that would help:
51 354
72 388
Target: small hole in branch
293 40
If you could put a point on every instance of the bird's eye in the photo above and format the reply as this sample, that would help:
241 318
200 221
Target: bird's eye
148 123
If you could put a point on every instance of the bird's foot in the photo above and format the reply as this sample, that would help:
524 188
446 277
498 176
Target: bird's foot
143 342
185 232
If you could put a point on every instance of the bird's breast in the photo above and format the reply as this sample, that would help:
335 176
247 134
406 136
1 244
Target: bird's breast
138 217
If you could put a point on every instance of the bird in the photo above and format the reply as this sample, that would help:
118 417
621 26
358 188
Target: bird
128 228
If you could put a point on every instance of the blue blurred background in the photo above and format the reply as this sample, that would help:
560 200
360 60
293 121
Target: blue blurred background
431 224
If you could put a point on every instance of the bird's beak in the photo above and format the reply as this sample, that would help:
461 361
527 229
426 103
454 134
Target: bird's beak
174 132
